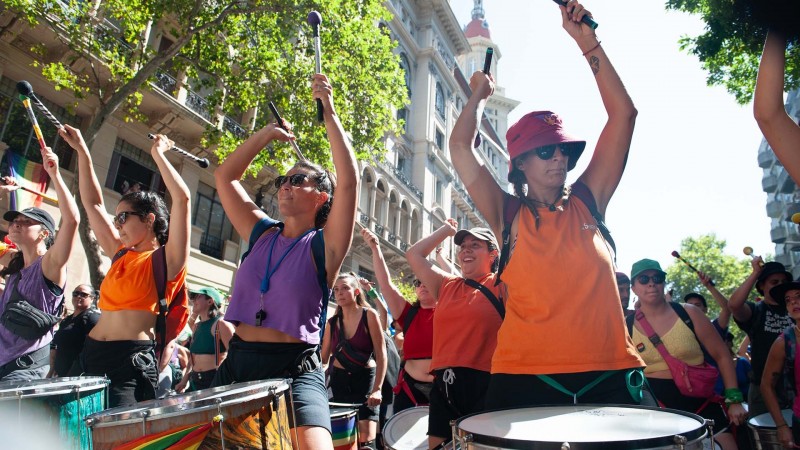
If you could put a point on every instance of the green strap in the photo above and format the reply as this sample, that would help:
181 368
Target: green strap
557 386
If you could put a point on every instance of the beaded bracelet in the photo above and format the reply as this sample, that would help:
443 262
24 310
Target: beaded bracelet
733 395
592 49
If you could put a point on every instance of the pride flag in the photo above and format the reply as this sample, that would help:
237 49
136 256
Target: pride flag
343 432
181 438
28 174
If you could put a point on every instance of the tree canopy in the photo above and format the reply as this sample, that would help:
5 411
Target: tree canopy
730 47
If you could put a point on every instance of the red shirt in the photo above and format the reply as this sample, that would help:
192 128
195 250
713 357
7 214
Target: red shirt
418 339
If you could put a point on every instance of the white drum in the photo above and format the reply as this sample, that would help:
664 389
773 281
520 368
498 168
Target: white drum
763 431
407 430
581 427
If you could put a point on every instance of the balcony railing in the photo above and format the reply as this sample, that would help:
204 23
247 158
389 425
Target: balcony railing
363 219
211 246
234 127
401 176
198 104
166 82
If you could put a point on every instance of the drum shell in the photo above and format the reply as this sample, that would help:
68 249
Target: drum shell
407 430
763 433
55 406
344 426
245 408
695 437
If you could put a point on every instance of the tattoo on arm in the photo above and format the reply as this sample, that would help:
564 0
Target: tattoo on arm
594 63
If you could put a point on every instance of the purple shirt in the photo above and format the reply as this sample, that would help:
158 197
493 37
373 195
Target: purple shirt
293 303
33 288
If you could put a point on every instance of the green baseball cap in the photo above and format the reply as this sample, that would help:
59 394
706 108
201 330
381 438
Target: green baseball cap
209 292
645 264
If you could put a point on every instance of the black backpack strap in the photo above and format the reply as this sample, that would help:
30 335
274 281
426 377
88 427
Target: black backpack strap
498 305
318 252
119 255
511 206
261 226
412 312
159 260
580 190
629 322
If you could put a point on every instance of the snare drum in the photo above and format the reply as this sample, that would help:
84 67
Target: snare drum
242 415
54 405
762 429
581 427
344 431
407 430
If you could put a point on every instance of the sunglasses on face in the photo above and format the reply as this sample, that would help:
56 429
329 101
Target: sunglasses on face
645 279
80 294
294 180
547 152
122 217
416 283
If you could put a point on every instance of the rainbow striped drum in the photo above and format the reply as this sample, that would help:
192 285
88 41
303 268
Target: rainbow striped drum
52 408
250 415
344 426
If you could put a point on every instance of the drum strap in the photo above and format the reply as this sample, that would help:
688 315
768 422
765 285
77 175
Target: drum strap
30 360
559 387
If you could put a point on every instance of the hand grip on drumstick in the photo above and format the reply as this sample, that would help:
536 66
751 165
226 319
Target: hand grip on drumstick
586 19
202 162
749 252
677 255
279 119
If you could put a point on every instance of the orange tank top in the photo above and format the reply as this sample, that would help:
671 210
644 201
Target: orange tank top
563 313
129 284
465 324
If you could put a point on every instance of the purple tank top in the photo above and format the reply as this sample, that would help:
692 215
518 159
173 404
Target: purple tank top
293 303
33 288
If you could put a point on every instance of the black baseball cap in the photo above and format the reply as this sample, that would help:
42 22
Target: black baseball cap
36 214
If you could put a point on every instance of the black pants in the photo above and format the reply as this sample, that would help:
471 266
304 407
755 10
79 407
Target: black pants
202 380
354 388
419 389
457 392
129 365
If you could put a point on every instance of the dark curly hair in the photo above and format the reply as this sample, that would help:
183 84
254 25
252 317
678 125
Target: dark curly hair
326 182
147 202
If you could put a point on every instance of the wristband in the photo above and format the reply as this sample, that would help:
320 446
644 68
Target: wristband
782 425
733 396
372 293
593 48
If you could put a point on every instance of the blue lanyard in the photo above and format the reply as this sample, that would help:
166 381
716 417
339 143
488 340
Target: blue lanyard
270 272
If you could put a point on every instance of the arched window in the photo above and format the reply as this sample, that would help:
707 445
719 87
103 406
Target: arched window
406 71
439 105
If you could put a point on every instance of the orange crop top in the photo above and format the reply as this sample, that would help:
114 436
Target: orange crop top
129 284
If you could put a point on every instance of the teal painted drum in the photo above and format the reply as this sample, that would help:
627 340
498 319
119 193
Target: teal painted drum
55 406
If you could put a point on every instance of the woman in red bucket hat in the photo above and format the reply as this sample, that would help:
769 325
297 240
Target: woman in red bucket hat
564 338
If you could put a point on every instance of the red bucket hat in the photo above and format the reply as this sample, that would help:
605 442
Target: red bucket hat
538 129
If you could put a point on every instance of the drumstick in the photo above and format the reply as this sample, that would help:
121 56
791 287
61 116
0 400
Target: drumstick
677 255
279 119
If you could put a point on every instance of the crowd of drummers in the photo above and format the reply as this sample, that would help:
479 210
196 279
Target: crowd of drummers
532 312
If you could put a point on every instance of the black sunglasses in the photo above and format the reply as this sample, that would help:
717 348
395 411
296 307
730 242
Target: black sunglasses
294 180
416 283
548 151
122 217
80 294
645 279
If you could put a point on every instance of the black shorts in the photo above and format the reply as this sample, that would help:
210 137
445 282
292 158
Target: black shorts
354 388
129 365
202 380
669 396
515 391
253 361
419 389
457 392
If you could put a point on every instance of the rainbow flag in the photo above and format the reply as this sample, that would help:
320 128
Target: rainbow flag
181 438
28 174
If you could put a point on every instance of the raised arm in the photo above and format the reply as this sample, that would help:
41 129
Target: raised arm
91 193
724 318
417 257
611 154
480 183
379 349
391 293
177 247
737 303
342 218
782 133
241 211
54 263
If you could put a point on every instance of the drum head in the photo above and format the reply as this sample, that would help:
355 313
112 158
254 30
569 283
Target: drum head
407 430
338 413
13 390
213 398
582 426
765 420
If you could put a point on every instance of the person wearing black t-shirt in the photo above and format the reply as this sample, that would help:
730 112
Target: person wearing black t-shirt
763 322
72 331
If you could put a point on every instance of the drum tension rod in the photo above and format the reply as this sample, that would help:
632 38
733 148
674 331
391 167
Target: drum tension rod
221 419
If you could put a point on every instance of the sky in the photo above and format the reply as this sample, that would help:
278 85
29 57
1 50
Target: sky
693 164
